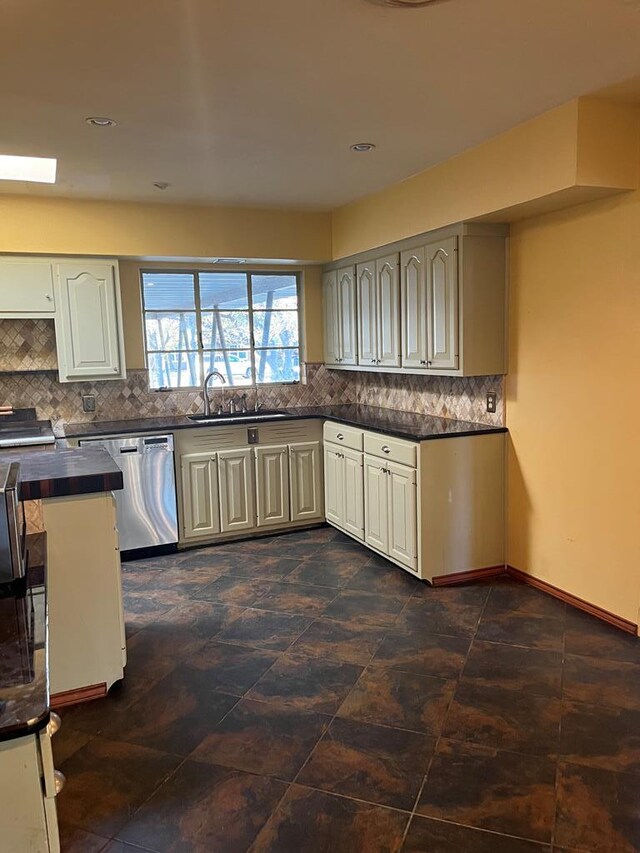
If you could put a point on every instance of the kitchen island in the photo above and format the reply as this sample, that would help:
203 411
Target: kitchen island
74 488
28 781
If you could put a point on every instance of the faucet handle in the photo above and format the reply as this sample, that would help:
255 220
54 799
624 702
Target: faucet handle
243 402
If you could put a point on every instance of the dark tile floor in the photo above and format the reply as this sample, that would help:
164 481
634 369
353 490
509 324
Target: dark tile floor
298 694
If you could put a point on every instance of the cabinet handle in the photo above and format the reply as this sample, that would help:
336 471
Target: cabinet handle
373 361
385 448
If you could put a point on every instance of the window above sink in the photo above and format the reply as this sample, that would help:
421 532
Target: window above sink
244 324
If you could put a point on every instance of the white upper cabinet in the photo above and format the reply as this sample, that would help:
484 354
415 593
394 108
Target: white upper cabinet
339 295
388 287
347 304
414 308
442 304
88 321
436 306
379 313
331 317
26 288
367 314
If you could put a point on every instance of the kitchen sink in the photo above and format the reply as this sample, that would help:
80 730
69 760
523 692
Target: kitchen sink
227 417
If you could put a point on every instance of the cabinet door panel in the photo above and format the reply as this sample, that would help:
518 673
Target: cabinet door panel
347 315
331 318
442 307
272 485
26 287
388 288
376 513
414 308
367 314
353 492
305 479
403 508
235 481
88 333
199 495
334 485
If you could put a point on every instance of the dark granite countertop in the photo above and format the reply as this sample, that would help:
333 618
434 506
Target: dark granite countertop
409 425
24 675
58 472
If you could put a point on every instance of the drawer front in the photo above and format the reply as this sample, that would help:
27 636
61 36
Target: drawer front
394 449
344 435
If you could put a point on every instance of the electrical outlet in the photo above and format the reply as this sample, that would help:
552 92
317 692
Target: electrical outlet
88 403
492 402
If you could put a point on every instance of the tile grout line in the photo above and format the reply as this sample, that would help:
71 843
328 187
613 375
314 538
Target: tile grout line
414 813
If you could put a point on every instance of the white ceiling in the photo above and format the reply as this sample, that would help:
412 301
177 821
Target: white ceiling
256 102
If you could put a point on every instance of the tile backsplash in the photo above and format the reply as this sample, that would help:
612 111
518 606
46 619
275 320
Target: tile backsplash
449 397
28 377
27 345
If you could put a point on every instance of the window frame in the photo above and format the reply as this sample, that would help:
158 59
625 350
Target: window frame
200 350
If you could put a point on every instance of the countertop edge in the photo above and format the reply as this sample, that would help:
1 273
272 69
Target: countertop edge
99 431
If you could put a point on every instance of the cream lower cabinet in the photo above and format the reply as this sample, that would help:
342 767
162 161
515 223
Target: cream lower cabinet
237 491
272 485
234 479
435 507
29 785
344 489
200 495
390 510
305 481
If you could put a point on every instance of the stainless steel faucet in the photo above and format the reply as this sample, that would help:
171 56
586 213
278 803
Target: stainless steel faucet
205 391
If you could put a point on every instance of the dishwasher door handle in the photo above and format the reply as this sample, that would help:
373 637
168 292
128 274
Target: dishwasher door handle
128 450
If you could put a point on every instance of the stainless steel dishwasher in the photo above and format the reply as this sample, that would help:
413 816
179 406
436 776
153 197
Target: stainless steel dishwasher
146 506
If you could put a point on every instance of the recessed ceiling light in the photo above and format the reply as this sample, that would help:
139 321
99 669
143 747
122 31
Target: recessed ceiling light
404 4
101 121
362 147
161 185
41 170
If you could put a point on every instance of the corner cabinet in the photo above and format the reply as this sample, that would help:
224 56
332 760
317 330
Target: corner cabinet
436 305
434 508
339 299
235 480
89 335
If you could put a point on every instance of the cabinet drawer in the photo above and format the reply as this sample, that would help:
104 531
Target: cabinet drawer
344 435
394 449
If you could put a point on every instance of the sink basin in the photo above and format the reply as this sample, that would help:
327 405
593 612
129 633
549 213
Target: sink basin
227 417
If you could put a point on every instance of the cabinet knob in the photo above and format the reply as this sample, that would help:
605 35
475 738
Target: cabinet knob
115 369
340 436
48 297
385 448
59 780
54 723
373 361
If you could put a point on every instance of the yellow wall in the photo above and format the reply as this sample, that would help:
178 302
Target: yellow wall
573 402
312 343
581 149
55 226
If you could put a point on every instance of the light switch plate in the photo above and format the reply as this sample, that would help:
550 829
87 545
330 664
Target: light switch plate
88 403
